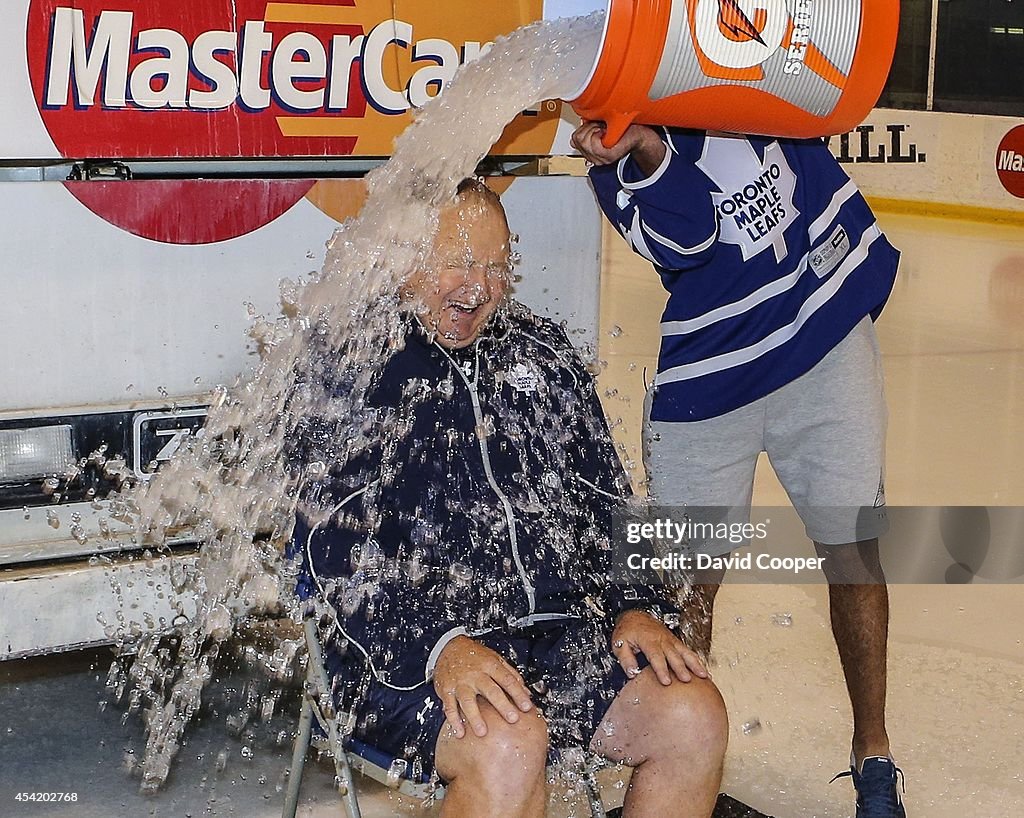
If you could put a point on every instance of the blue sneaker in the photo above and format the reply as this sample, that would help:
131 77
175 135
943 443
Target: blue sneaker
878 795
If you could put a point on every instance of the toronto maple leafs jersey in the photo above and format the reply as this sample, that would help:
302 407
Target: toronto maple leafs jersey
770 256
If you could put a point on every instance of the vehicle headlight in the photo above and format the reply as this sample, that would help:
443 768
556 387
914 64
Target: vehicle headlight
34 453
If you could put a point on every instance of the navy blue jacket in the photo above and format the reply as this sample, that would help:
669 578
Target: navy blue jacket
486 503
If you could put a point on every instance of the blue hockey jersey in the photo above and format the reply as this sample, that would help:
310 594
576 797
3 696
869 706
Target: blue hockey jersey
769 253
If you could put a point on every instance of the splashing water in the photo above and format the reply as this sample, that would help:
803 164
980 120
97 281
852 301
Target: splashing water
235 484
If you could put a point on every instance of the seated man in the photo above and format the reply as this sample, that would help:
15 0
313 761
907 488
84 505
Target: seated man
468 558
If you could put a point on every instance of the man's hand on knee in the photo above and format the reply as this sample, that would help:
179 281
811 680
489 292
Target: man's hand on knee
466 669
638 632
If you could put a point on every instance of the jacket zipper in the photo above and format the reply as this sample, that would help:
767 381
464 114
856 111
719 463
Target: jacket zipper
485 457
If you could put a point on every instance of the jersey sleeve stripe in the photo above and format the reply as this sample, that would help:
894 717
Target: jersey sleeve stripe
671 245
636 238
650 180
821 224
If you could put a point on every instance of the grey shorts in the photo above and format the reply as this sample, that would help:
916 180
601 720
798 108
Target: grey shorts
824 434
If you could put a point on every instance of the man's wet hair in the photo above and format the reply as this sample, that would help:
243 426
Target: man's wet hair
475 186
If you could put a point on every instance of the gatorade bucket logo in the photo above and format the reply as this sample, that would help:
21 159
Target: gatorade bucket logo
733 42
1010 162
799 51
735 24
249 78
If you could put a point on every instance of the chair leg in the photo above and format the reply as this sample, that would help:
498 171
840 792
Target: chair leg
594 797
319 680
348 797
299 751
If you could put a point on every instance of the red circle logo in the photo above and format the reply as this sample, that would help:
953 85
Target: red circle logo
1010 162
180 81
190 211
123 80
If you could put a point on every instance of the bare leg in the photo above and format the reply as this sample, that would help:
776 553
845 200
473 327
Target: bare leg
675 738
859 608
498 776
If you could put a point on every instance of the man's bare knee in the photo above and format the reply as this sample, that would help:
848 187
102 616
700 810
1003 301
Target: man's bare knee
689 717
684 718
852 564
675 723
509 755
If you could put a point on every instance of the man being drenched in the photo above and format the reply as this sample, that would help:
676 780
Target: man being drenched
468 555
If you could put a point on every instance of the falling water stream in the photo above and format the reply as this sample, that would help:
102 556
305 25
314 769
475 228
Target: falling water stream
235 485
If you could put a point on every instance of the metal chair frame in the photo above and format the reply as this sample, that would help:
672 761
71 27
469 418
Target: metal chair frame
316 704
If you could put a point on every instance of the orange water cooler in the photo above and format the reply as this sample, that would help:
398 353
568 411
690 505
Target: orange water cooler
798 68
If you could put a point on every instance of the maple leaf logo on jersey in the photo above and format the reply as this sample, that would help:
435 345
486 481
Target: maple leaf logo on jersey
755 196
734 38
733 21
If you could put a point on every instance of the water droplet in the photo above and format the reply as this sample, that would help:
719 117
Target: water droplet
460 573
396 771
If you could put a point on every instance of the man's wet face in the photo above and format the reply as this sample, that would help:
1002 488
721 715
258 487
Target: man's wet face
468 272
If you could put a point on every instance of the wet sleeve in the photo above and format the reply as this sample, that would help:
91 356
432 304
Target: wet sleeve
669 217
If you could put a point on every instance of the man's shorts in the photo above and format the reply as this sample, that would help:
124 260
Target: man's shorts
824 434
568 666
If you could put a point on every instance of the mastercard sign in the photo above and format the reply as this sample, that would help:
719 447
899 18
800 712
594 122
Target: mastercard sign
1010 162
250 78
